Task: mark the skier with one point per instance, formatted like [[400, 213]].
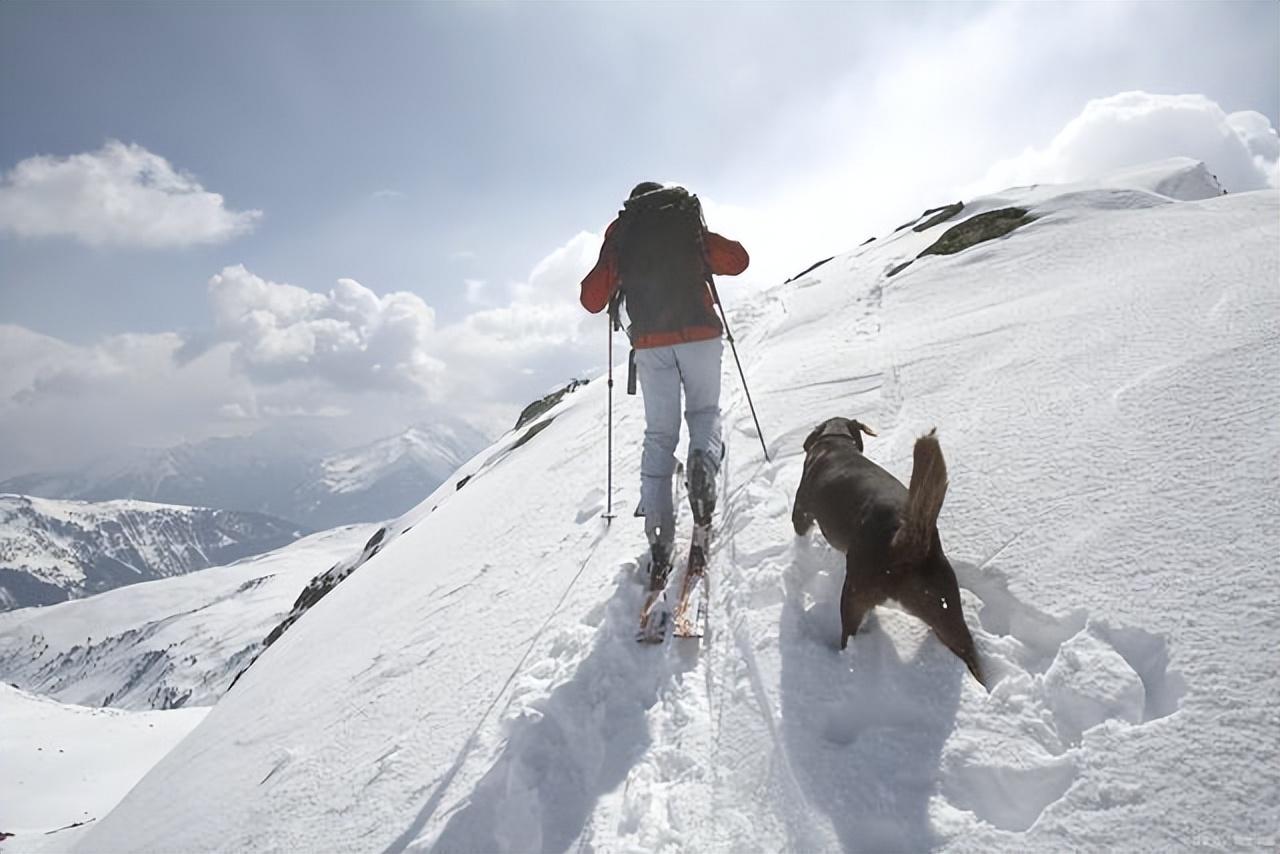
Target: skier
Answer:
[[658, 255]]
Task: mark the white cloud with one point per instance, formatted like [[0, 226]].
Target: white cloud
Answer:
[[1260, 138], [61, 404], [64, 405], [504, 354], [1131, 128], [119, 195], [555, 278], [389, 194], [350, 338], [542, 313]]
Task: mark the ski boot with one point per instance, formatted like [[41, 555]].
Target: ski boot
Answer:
[[659, 565], [656, 615], [702, 488]]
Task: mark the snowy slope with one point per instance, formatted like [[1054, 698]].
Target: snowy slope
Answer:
[[1103, 384], [67, 765], [162, 644], [51, 551]]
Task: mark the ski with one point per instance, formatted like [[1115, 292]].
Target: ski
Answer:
[[690, 614], [655, 616]]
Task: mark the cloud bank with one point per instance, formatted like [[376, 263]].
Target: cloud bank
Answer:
[[119, 195], [1130, 128], [350, 338], [365, 363]]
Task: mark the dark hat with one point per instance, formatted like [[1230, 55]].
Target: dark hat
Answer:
[[644, 187]]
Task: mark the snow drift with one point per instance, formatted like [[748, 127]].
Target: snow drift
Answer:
[[1102, 379]]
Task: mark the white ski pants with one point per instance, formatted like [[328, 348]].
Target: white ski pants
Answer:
[[662, 372]]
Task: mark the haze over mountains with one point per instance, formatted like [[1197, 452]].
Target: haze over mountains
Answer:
[[295, 475]]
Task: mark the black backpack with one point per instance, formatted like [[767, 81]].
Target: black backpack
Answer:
[[662, 267]]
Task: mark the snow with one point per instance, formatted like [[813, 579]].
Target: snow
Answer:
[[66, 765], [174, 641], [1103, 383]]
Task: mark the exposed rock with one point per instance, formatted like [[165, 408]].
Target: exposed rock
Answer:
[[898, 269], [942, 214], [531, 432], [978, 229], [809, 269], [538, 407]]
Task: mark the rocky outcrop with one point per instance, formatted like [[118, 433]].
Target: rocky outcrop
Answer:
[[542, 405], [974, 230]]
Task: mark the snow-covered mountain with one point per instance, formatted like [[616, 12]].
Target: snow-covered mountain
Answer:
[[383, 479], [290, 474], [168, 643], [254, 473], [1102, 376], [51, 551]]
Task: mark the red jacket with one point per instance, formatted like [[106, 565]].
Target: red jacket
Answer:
[[725, 257]]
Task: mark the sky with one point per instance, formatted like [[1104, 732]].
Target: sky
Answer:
[[219, 217]]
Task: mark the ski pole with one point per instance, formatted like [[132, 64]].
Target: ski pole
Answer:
[[608, 505], [728, 333]]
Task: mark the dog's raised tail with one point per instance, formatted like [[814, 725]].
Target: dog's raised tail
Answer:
[[924, 500]]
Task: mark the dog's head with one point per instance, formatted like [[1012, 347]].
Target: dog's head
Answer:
[[846, 428]]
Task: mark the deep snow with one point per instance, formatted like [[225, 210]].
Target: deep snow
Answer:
[[1103, 381], [67, 766]]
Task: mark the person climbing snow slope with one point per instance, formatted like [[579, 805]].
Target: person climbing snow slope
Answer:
[[658, 257]]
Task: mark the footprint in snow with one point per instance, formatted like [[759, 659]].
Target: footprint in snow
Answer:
[[878, 707], [1054, 678]]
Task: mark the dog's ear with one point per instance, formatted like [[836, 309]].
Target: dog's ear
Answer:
[[856, 429], [813, 436]]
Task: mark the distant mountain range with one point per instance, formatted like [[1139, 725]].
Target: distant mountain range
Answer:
[[290, 476], [52, 551]]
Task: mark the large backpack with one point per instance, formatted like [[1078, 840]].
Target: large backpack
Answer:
[[662, 267]]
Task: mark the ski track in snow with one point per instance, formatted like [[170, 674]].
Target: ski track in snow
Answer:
[[1081, 576]]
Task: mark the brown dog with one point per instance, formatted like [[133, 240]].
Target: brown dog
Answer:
[[888, 533]]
